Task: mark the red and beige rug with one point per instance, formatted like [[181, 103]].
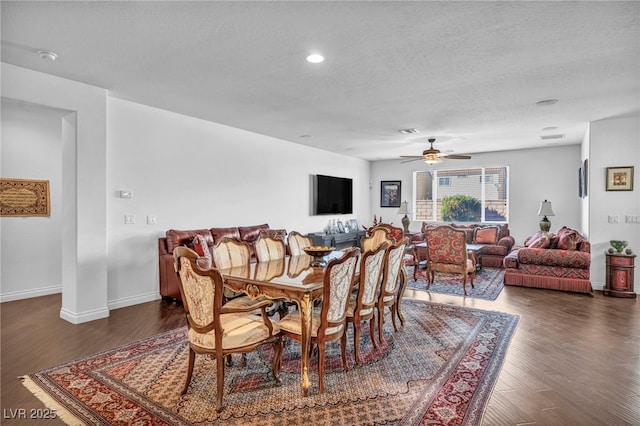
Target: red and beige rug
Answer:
[[440, 368], [488, 283]]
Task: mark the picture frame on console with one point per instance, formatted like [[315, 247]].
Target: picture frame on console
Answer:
[[620, 178], [390, 193]]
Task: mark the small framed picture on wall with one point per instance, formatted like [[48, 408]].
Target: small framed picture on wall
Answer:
[[620, 178], [390, 192]]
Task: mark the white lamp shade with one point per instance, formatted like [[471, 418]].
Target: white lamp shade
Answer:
[[404, 208], [545, 209]]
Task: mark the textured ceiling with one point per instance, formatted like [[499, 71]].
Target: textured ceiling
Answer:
[[467, 73]]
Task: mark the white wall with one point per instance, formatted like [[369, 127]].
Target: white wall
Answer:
[[83, 139], [31, 149], [613, 142], [192, 174], [535, 175]]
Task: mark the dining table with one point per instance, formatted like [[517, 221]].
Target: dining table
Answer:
[[292, 278], [296, 279]]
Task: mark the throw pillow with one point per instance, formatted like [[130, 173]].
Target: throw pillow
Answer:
[[568, 240], [541, 242], [201, 247], [488, 235]]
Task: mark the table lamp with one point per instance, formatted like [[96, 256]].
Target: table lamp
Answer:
[[404, 209], [545, 210]]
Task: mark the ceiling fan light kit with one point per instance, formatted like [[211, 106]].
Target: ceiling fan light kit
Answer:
[[433, 156]]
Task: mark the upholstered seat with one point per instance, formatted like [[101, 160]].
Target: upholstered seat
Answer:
[[392, 282]]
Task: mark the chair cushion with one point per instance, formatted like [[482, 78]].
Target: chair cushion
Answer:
[[292, 324], [239, 330]]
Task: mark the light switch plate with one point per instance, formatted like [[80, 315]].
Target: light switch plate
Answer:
[[152, 220], [129, 219], [614, 219]]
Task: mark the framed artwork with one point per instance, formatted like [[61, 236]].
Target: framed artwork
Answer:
[[585, 177], [620, 178], [580, 183], [390, 193], [24, 197]]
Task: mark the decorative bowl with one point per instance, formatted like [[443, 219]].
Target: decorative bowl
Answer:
[[618, 245], [318, 252]]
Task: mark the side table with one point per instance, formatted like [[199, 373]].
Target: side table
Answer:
[[620, 275]]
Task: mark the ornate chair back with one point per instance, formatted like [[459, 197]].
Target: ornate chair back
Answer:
[[267, 248], [362, 307], [391, 282], [230, 253], [297, 242]]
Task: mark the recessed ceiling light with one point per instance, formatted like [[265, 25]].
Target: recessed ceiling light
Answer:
[[547, 102], [546, 129], [315, 58], [304, 136], [551, 137], [409, 131], [47, 55]]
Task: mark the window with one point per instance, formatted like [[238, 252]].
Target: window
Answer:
[[475, 195]]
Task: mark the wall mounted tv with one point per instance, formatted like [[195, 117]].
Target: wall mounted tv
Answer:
[[332, 195]]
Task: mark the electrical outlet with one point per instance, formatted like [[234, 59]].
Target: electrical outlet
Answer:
[[129, 219], [152, 220], [632, 218], [614, 219]]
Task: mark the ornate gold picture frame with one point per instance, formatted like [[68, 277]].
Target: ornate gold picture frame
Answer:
[[24, 197]]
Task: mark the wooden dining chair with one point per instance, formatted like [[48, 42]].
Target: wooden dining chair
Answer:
[[229, 253], [392, 281], [328, 321], [297, 242], [363, 304], [447, 252], [216, 329], [374, 238]]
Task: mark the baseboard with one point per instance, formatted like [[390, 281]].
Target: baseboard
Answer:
[[135, 300], [27, 294], [79, 318]]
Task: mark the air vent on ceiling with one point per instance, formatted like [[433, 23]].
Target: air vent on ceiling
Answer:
[[409, 131], [551, 137]]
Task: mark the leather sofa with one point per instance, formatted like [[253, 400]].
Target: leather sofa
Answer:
[[495, 240], [558, 262], [169, 288]]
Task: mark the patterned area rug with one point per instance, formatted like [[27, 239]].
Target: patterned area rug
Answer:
[[439, 368], [488, 283]]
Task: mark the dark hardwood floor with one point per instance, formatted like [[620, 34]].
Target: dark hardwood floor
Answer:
[[573, 360]]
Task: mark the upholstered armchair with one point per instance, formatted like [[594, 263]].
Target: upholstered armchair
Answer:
[[447, 252], [217, 330]]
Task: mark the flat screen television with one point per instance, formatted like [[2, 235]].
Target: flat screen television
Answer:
[[332, 195]]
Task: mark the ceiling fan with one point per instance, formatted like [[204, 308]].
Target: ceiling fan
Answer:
[[433, 156]]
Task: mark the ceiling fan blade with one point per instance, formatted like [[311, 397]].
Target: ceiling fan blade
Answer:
[[412, 158], [456, 157]]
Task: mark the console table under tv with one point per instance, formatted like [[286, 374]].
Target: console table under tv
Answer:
[[339, 241]]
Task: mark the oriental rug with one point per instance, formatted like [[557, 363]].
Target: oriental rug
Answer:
[[439, 368], [488, 283]]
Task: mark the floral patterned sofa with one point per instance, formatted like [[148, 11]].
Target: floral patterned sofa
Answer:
[[557, 262]]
